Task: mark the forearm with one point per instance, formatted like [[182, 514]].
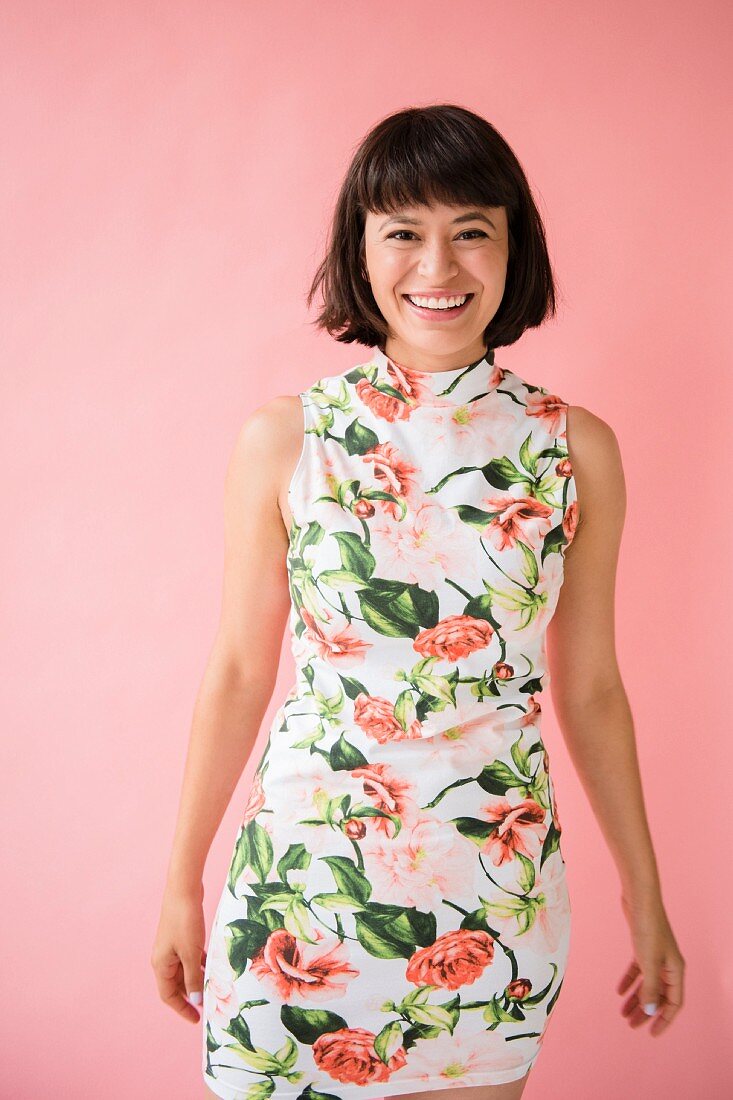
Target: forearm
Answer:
[[227, 717], [602, 744]]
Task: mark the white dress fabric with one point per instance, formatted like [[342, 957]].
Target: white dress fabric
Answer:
[[396, 916]]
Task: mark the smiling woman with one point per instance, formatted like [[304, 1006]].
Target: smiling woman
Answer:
[[396, 916], [461, 220]]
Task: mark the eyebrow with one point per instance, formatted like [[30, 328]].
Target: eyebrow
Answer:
[[473, 215]]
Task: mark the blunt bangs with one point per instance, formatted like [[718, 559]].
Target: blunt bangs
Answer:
[[423, 156]]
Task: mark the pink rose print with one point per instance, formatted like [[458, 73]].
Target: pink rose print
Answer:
[[342, 647], [378, 720], [547, 407], [383, 405], [424, 546], [389, 792], [421, 865], [256, 800], [570, 521], [292, 969], [521, 827], [454, 637], [454, 960], [348, 1055], [463, 1059], [392, 473], [221, 1002], [518, 519]]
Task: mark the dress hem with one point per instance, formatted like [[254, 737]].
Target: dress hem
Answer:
[[384, 1088]]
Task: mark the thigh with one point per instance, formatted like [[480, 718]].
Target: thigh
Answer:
[[512, 1090]]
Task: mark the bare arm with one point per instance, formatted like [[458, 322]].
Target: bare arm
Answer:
[[237, 683], [242, 668], [592, 706]]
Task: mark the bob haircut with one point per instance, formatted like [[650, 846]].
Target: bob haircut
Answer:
[[420, 156]]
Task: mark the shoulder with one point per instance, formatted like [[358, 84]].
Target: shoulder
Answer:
[[269, 435], [595, 457]]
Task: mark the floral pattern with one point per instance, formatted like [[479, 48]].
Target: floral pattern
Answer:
[[396, 915]]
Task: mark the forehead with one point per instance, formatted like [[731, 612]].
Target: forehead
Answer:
[[440, 213]]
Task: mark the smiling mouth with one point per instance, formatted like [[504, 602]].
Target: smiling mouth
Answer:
[[435, 308]]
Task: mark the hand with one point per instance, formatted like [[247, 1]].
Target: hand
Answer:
[[178, 952], [658, 960]]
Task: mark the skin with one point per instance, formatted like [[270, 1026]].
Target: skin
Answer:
[[587, 690]]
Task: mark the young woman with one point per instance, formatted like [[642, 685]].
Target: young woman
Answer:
[[396, 917]]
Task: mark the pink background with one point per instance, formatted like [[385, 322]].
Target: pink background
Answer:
[[169, 173]]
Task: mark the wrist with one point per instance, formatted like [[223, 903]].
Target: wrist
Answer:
[[185, 886], [641, 895]]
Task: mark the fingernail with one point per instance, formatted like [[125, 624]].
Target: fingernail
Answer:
[[195, 998], [650, 1008]]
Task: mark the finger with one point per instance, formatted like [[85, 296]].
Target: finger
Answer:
[[632, 972], [171, 986], [193, 976], [672, 997], [631, 1009], [650, 989]]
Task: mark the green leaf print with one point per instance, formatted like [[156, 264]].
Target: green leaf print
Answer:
[[261, 853], [260, 1090], [497, 778], [551, 843], [352, 687], [240, 860], [356, 558], [297, 857], [528, 457], [336, 902], [495, 1014], [531, 570], [307, 1024], [554, 541], [474, 829], [398, 610], [502, 474], [538, 998], [341, 578], [310, 1094], [388, 1040], [520, 757], [238, 1028], [248, 937], [480, 608], [287, 1055], [391, 932], [257, 1058], [211, 1043], [436, 1016], [344, 756], [358, 439], [297, 920], [474, 517], [526, 876], [349, 879]]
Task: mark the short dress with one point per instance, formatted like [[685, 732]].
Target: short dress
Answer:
[[396, 916]]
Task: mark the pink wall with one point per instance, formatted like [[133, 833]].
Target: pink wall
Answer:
[[168, 175]]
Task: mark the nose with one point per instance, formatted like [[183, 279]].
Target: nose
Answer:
[[437, 265]]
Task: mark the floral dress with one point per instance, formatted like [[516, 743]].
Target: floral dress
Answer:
[[396, 916]]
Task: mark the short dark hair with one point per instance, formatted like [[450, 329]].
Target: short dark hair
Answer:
[[418, 156]]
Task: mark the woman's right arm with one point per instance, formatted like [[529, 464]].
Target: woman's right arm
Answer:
[[237, 684]]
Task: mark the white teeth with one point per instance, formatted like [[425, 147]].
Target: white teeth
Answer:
[[438, 303]]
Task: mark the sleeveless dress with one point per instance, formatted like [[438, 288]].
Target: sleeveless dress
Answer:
[[396, 916]]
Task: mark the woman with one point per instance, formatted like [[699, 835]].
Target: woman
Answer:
[[396, 918]]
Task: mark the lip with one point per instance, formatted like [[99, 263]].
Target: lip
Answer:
[[438, 293], [437, 315]]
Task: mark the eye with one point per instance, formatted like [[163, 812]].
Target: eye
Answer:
[[411, 234]]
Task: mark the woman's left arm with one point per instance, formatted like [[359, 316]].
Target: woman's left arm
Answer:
[[595, 718]]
